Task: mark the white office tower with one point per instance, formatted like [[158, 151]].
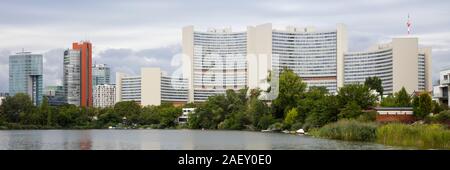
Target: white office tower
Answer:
[[219, 59], [104, 95], [315, 55], [400, 63], [216, 61]]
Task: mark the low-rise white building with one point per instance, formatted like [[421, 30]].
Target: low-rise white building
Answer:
[[151, 87], [440, 91], [185, 115], [104, 95]]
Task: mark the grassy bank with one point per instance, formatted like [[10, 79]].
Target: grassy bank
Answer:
[[422, 136], [425, 136], [351, 130]]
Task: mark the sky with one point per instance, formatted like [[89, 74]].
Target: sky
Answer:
[[128, 35]]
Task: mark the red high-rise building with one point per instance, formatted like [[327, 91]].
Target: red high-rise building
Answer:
[[85, 49]]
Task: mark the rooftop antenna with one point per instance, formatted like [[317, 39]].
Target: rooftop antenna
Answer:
[[408, 24]]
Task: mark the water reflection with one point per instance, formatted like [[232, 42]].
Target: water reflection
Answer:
[[85, 140], [166, 139]]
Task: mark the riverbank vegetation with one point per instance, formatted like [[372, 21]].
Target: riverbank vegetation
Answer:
[[427, 136], [18, 112], [351, 130]]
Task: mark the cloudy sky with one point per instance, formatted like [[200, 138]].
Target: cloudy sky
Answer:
[[131, 34]]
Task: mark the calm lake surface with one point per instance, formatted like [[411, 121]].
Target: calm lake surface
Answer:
[[166, 140]]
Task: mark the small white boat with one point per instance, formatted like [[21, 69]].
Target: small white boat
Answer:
[[267, 130], [285, 131]]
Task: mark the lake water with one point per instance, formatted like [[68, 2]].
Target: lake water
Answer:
[[167, 139]]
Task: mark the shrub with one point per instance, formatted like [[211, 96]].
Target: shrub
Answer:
[[422, 136], [347, 130], [265, 121], [368, 116], [276, 126], [443, 117]]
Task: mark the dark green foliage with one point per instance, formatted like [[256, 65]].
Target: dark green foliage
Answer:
[[368, 116], [348, 130], [422, 105], [234, 110], [374, 83], [13, 106], [436, 107], [443, 117], [357, 93], [351, 111], [291, 89], [402, 98], [18, 112], [389, 101]]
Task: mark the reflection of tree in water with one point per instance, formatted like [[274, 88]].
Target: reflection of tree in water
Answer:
[[85, 141]]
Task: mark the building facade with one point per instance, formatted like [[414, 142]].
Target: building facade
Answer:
[[440, 91], [152, 87], [319, 57], [314, 55], [104, 95], [398, 64], [217, 61], [26, 75], [101, 74], [78, 74], [220, 59], [72, 77], [55, 95], [128, 88]]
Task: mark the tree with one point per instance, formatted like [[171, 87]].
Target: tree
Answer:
[[127, 109], [374, 83], [291, 117], [13, 106], [402, 98], [291, 89], [108, 118], [256, 108], [168, 114], [311, 101], [357, 93], [67, 115], [352, 110], [325, 110], [265, 121], [209, 113], [423, 105], [46, 112], [437, 108], [389, 101]]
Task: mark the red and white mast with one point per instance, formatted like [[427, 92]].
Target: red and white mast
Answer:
[[408, 24]]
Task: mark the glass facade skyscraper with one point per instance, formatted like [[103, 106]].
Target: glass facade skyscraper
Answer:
[[100, 74], [25, 75], [71, 81], [78, 74]]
